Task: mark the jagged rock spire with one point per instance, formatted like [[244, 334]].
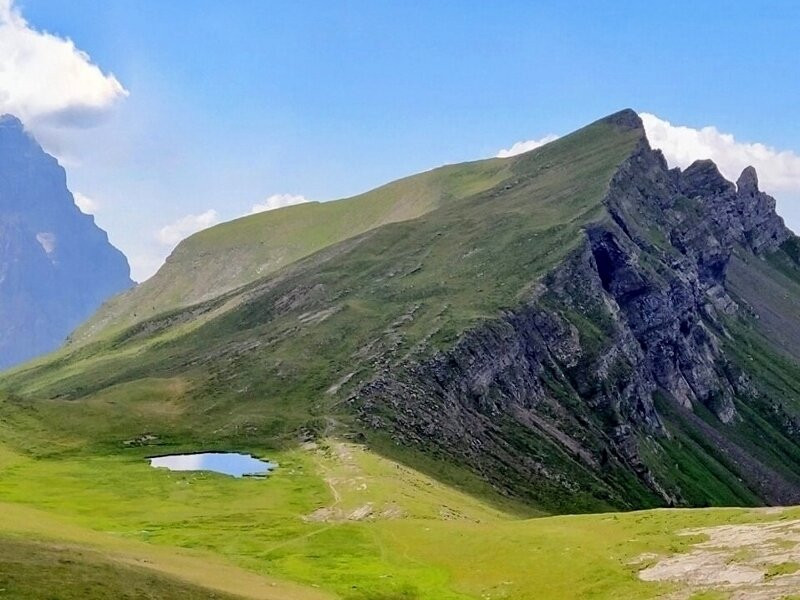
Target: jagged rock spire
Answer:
[[747, 184]]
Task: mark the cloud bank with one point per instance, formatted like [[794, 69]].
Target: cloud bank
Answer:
[[778, 170], [526, 146], [277, 201], [171, 234], [46, 81], [87, 205]]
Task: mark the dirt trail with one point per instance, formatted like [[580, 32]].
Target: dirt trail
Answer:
[[743, 562], [343, 476]]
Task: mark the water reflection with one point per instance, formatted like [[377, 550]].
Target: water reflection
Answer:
[[227, 463]]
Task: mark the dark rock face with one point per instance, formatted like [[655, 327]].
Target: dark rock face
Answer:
[[56, 265], [740, 213], [559, 396]]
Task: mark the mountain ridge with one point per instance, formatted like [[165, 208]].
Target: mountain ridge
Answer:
[[565, 335], [674, 352], [226, 256]]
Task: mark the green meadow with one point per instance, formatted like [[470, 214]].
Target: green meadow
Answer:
[[333, 521]]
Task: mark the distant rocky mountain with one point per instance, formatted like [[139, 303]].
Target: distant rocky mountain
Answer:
[[56, 265]]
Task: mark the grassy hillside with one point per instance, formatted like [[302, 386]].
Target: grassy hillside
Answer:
[[273, 363], [268, 367], [233, 254], [34, 570], [265, 359]]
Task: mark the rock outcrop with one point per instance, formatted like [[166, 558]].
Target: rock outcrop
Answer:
[[56, 265], [563, 393]]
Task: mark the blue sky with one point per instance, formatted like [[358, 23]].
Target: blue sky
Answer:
[[230, 103]]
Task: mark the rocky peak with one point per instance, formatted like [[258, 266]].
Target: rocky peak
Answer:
[[626, 118], [738, 214], [12, 132], [8, 121]]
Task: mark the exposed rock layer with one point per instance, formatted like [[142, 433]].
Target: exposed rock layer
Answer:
[[562, 393]]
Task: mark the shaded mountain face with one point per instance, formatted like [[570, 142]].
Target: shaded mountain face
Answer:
[[56, 265], [580, 327]]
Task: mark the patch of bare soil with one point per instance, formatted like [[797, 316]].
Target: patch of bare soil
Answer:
[[349, 487], [744, 562]]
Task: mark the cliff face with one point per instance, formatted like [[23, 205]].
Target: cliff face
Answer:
[[616, 364], [56, 265]]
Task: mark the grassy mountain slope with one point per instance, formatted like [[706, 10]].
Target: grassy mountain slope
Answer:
[[771, 287], [455, 267], [485, 308], [233, 254], [278, 356], [578, 335]]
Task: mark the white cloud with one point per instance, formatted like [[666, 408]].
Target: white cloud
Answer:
[[171, 234], [526, 146], [46, 81], [778, 170], [145, 264], [86, 204], [277, 201]]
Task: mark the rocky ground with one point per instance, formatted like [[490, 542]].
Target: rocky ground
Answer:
[[753, 562]]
